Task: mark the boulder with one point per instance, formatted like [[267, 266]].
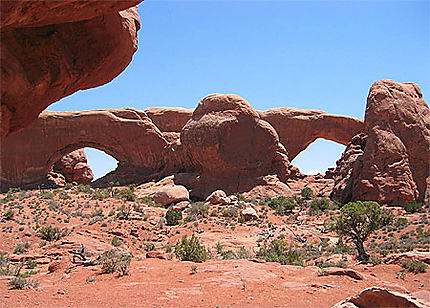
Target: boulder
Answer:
[[230, 145], [379, 297], [74, 167], [51, 49], [170, 194], [218, 197], [249, 214], [391, 163], [345, 272]]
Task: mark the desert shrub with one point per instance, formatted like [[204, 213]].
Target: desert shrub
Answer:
[[307, 193], [116, 241], [240, 197], [4, 264], [125, 194], [86, 189], [415, 267], [8, 215], [21, 248], [123, 212], [115, 260], [63, 195], [319, 205], [49, 233], [190, 250], [173, 217], [413, 207], [282, 205], [30, 263], [100, 194], [19, 283], [230, 212], [97, 212], [279, 251], [197, 210], [46, 194], [147, 200], [357, 220]]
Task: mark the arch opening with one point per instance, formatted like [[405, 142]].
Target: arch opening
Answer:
[[100, 162], [79, 164], [318, 156]]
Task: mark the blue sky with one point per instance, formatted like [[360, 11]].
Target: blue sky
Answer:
[[306, 54]]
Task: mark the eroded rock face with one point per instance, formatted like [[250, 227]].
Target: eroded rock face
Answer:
[[392, 163], [169, 119], [74, 167], [231, 145], [51, 49], [298, 128], [380, 297], [127, 134]]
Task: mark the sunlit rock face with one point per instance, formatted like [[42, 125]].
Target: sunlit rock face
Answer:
[[50, 49], [390, 163]]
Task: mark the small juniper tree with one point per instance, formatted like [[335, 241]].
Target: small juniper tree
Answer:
[[357, 220]]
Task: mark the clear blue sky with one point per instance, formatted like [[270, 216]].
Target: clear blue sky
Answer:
[[306, 54]]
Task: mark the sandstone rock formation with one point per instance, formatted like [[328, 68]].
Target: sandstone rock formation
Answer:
[[169, 119], [74, 167], [391, 164], [128, 135], [225, 145], [380, 297], [231, 145], [298, 128], [51, 49], [170, 194]]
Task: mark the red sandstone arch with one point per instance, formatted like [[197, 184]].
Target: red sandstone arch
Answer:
[[127, 134], [298, 128]]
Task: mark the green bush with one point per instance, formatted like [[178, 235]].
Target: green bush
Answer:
[[282, 205], [19, 283], [307, 193], [415, 267], [357, 220], [51, 234], [115, 260], [116, 241], [125, 194], [190, 250], [21, 248], [230, 212], [8, 215], [46, 195], [279, 251], [413, 207], [197, 210], [319, 205], [173, 217]]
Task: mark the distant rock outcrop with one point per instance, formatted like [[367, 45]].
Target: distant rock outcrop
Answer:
[[391, 162], [222, 144], [231, 146], [127, 134], [50, 49], [74, 167]]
